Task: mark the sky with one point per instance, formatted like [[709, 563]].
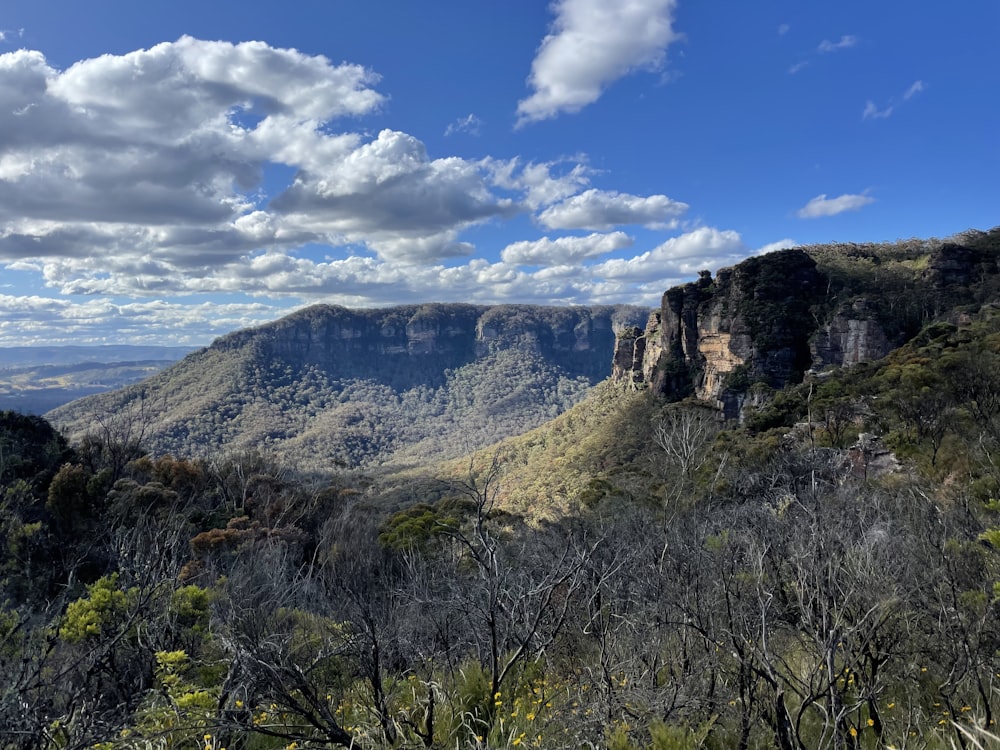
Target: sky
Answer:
[[172, 171]]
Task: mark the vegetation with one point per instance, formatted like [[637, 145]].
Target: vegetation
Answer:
[[329, 387], [700, 585], [633, 574]]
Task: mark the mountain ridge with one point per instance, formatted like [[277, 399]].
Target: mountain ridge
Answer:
[[330, 386]]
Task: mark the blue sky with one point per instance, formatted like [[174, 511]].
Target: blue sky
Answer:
[[172, 171]]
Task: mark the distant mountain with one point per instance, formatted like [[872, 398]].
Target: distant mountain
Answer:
[[36, 379], [15, 357], [328, 386]]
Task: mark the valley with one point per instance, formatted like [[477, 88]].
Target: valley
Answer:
[[762, 515]]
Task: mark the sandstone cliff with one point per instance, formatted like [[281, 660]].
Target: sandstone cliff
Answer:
[[772, 318]]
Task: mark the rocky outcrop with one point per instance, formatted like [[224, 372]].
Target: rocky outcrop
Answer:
[[853, 335], [630, 350], [717, 335], [773, 318]]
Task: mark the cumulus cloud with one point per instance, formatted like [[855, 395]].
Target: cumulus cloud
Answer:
[[823, 206], [591, 44], [705, 247], [602, 210], [144, 175], [169, 143], [162, 152], [548, 271], [391, 195], [845, 42], [564, 251], [541, 184]]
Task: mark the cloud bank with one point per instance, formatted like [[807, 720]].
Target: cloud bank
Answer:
[[197, 168]]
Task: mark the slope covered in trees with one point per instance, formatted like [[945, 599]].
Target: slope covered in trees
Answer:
[[328, 387]]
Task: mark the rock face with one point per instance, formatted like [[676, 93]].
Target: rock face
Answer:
[[772, 318], [409, 342], [630, 349], [715, 336], [852, 336]]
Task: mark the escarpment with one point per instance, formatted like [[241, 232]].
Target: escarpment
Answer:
[[769, 320], [330, 386]]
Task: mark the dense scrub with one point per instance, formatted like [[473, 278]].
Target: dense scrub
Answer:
[[697, 584], [633, 574]]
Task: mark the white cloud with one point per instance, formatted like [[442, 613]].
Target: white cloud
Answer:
[[469, 124], [542, 184], [34, 320], [914, 89], [602, 210], [823, 206], [161, 152], [142, 175], [784, 29], [770, 247], [563, 251], [845, 42], [591, 44], [792, 70], [389, 194], [685, 255], [873, 112], [561, 275], [154, 150]]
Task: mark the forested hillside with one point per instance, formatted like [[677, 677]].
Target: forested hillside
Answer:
[[823, 572], [781, 584], [329, 387]]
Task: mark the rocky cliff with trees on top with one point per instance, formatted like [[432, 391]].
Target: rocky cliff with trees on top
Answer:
[[765, 322]]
